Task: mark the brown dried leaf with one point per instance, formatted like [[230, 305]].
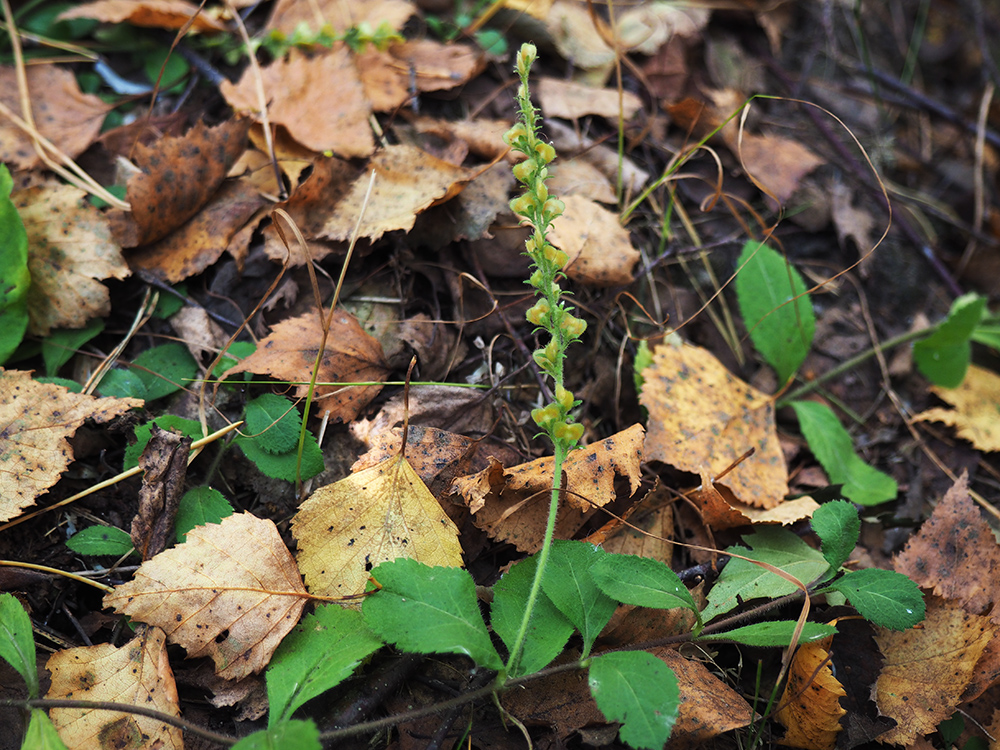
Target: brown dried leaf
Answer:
[[341, 16], [351, 356], [156, 14], [391, 77], [975, 415], [810, 706], [232, 591], [407, 181], [577, 176], [164, 465], [956, 555], [318, 98], [927, 669], [379, 514], [571, 100], [700, 415], [68, 118], [599, 248], [720, 509], [178, 177], [36, 422], [137, 673], [70, 249]]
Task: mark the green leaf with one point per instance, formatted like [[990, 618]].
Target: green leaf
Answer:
[[288, 735], [14, 276], [741, 580], [156, 373], [283, 466], [883, 597], [639, 691], [101, 540], [987, 333], [236, 353], [772, 634], [943, 357], [831, 444], [41, 734], [17, 644], [168, 304], [273, 422], [781, 331], [569, 583], [120, 383], [61, 345], [187, 427], [429, 610], [199, 506], [322, 651], [548, 629], [837, 525], [641, 581]]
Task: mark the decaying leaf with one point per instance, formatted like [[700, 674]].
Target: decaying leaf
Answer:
[[378, 514], [720, 509], [164, 465], [232, 591], [975, 415], [810, 706], [137, 673], [36, 422], [157, 14], [70, 249], [700, 415], [351, 356], [569, 100], [288, 14], [599, 248]]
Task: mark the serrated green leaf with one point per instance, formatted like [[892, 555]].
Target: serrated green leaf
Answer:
[[288, 735], [548, 630], [772, 634], [14, 276], [883, 597], [101, 540], [742, 581], [62, 344], [641, 581], [283, 466], [187, 427], [639, 691], [781, 330], [943, 357], [273, 423], [17, 644], [569, 584], [831, 444], [429, 611], [322, 651], [837, 525], [199, 506], [41, 734]]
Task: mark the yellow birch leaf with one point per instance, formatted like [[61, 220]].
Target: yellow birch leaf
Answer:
[[975, 416], [231, 592], [137, 673], [379, 514], [810, 707]]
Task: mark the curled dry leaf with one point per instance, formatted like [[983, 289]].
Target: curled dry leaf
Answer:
[[378, 514], [70, 249], [232, 591], [701, 415], [570, 100], [156, 14], [137, 673], [975, 415], [720, 509], [341, 16], [599, 248], [351, 356], [810, 706], [36, 422], [67, 117]]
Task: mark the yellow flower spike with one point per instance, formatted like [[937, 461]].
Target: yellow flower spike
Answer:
[[564, 398]]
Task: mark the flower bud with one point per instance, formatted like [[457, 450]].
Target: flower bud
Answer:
[[537, 278], [552, 208], [523, 205], [573, 326], [555, 256], [539, 313], [546, 416], [515, 134], [564, 398], [569, 432], [525, 57], [524, 171], [546, 152]]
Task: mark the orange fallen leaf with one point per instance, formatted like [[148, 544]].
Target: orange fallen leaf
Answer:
[[177, 177], [351, 356], [318, 98], [927, 669], [407, 181], [810, 706], [137, 673], [975, 415], [720, 509], [67, 117], [232, 592], [70, 249], [599, 248], [700, 415], [36, 422], [375, 515], [156, 14]]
